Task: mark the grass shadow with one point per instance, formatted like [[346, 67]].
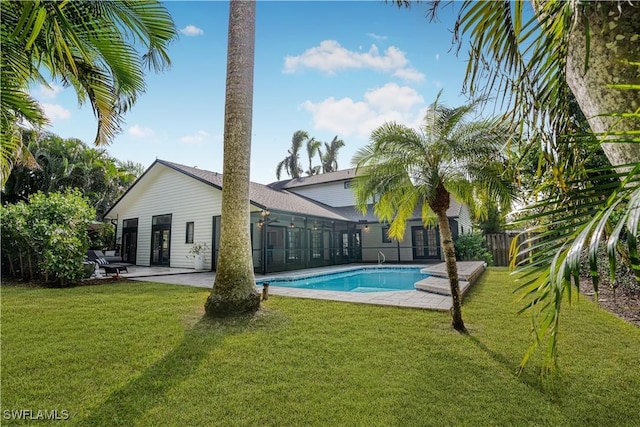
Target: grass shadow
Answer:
[[547, 383], [131, 402], [497, 357]]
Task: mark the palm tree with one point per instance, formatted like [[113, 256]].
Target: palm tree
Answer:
[[291, 163], [89, 45], [69, 163], [330, 157], [313, 148], [234, 291], [566, 49], [402, 169], [534, 66]]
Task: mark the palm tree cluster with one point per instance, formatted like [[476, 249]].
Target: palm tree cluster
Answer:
[[69, 163], [328, 158], [87, 45]]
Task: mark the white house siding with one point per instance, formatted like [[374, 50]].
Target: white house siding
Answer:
[[166, 191], [464, 221], [332, 193]]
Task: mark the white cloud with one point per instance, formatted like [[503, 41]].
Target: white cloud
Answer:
[[437, 57], [197, 138], [330, 57], [393, 97], [409, 74], [377, 36], [347, 117], [140, 132], [48, 92], [192, 31], [56, 112]]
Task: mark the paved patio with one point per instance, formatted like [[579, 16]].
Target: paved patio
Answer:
[[411, 298]]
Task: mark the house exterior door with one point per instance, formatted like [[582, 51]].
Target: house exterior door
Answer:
[[351, 248], [425, 242], [129, 240], [161, 240]]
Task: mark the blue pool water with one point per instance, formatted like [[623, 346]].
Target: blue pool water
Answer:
[[362, 280]]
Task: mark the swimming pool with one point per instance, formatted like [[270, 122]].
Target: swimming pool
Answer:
[[360, 280]]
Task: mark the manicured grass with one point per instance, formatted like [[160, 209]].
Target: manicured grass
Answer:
[[141, 354]]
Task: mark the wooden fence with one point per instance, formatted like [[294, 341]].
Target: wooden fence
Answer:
[[499, 246]]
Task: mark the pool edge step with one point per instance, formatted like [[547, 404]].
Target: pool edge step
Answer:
[[438, 281], [439, 285]]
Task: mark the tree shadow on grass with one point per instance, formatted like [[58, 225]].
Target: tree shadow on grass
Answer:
[[130, 403], [546, 382]]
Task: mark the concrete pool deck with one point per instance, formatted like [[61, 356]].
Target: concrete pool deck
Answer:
[[410, 299]]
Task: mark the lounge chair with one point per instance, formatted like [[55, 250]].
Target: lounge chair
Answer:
[[108, 263]]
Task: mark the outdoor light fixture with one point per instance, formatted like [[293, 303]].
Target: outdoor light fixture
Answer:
[[366, 228], [266, 218], [292, 225]]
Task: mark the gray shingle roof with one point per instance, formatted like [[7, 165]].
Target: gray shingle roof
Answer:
[[275, 197], [349, 211], [316, 179], [263, 196]]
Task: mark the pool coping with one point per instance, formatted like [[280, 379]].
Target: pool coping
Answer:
[[407, 299]]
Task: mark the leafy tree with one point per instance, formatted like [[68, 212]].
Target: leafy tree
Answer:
[[492, 221], [234, 290], [330, 157], [402, 169], [47, 237], [291, 163], [89, 45]]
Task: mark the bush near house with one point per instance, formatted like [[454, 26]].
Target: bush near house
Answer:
[[46, 238], [473, 247]]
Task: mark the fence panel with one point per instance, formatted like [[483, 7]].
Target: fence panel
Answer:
[[499, 245]]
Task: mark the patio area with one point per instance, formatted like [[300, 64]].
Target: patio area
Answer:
[[468, 271]]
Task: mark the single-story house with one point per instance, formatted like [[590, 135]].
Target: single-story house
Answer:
[[298, 223]]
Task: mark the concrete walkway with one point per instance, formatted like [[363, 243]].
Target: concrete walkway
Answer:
[[410, 298]]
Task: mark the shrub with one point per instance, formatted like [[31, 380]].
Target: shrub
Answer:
[[473, 246], [624, 277], [46, 238]]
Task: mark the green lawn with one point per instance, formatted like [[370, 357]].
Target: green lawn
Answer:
[[140, 354]]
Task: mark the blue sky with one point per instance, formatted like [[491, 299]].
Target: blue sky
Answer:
[[330, 68]]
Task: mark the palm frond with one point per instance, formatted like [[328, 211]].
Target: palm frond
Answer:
[[552, 252]]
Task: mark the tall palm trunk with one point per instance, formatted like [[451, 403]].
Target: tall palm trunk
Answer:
[[611, 25], [234, 289], [440, 206]]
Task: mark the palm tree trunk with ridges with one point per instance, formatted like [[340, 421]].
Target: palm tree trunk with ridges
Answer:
[[449, 252], [612, 26], [234, 290]]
